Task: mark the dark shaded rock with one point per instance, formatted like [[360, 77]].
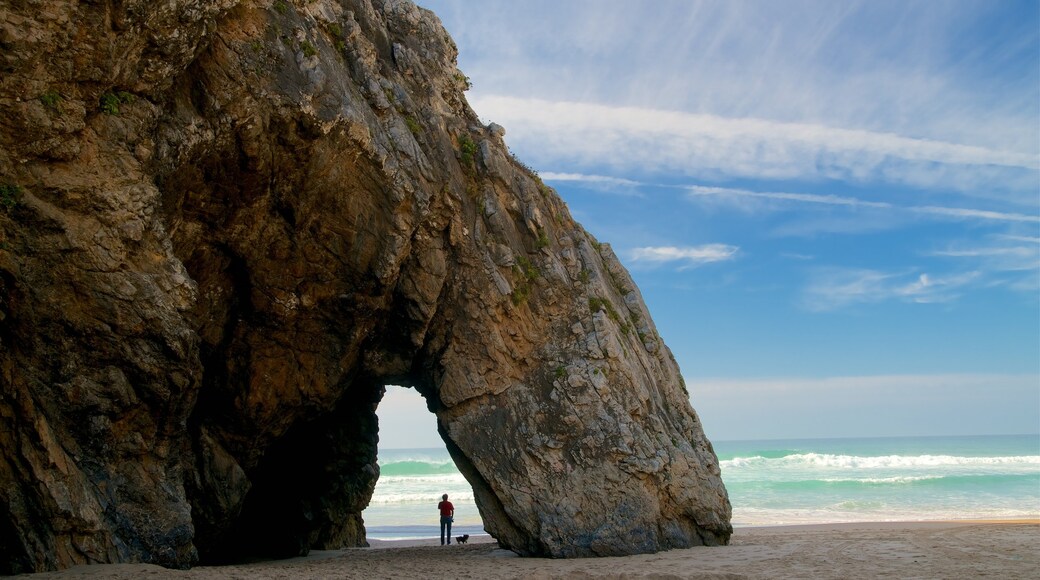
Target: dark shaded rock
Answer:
[[234, 223]]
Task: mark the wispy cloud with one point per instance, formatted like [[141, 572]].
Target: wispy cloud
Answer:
[[834, 288], [703, 145], [702, 191], [698, 191], [689, 255], [960, 212], [989, 252], [601, 183], [1016, 267], [744, 198], [831, 63], [976, 265], [581, 177], [1027, 239]]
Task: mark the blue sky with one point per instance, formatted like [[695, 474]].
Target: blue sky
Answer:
[[832, 209]]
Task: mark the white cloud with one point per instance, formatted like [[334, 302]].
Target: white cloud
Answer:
[[698, 191], [550, 176], [995, 258], [900, 67], [711, 146], [1011, 267], [988, 252], [1027, 239], [976, 213], [691, 255], [603, 183], [701, 191], [834, 288], [927, 289]]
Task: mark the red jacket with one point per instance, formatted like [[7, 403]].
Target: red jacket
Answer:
[[447, 510]]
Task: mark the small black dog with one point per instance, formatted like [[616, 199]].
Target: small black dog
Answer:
[[462, 539]]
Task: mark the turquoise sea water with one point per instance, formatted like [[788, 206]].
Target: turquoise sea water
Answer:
[[776, 482]]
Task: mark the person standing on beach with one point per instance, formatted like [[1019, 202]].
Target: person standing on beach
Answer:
[[447, 516]]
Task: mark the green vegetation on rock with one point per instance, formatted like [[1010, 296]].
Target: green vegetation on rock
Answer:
[[110, 101], [467, 150], [51, 100], [9, 196]]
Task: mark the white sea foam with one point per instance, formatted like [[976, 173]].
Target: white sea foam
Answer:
[[447, 478], [816, 460], [881, 480], [427, 459], [420, 497]]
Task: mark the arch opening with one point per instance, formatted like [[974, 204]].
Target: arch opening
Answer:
[[305, 492], [416, 468]]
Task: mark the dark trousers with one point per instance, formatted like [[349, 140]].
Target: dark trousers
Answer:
[[445, 529]]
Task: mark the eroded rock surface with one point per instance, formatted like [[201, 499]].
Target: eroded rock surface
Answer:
[[224, 226]]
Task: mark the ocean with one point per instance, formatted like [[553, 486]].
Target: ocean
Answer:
[[775, 483]]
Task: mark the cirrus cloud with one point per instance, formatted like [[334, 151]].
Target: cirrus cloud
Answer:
[[712, 146], [835, 288], [690, 255], [700, 191]]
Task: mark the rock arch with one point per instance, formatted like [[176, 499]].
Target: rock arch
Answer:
[[294, 205]]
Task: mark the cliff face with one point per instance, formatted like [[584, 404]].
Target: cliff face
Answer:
[[224, 226]]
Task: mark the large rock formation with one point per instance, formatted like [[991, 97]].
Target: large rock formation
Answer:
[[225, 225]]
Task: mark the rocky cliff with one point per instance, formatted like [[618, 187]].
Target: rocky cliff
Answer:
[[226, 225]]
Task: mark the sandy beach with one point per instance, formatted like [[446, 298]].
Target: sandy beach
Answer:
[[957, 549]]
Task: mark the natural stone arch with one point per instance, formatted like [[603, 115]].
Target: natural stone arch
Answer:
[[206, 291]]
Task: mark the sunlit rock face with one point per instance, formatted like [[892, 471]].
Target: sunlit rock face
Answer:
[[226, 225]]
